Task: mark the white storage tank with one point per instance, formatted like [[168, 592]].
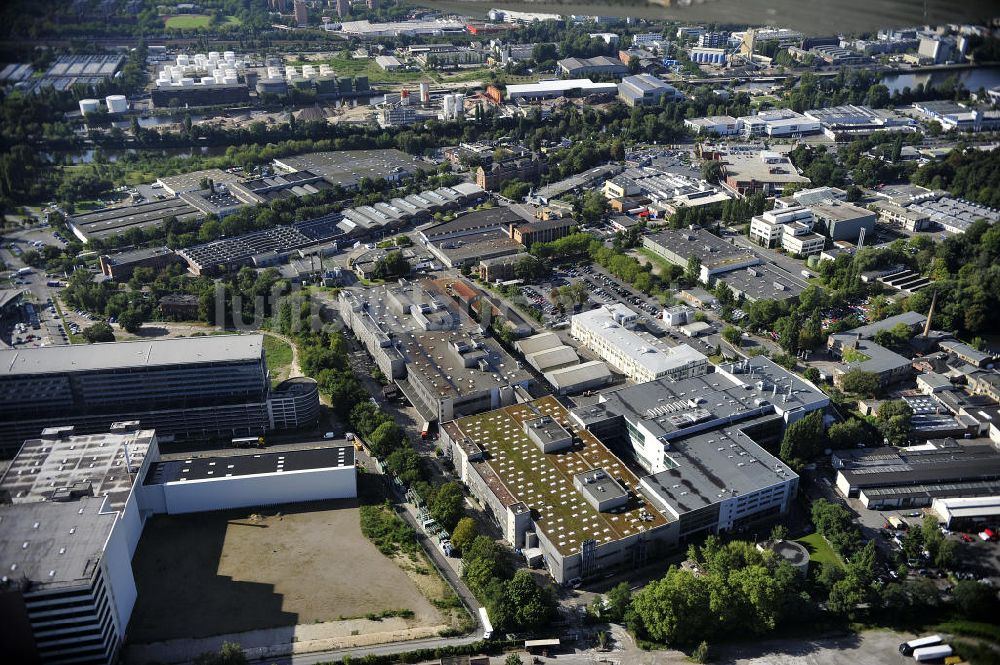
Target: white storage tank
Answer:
[[89, 106], [187, 81], [229, 55], [183, 60], [230, 80], [213, 56], [116, 103]]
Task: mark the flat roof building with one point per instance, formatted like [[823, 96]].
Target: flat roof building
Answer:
[[714, 254], [437, 356], [601, 64], [967, 514], [347, 167], [843, 221], [574, 87], [120, 266], [695, 438], [606, 331], [890, 478], [543, 501], [645, 90], [766, 171], [190, 387], [74, 511], [763, 282]]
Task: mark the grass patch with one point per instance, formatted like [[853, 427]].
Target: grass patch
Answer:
[[387, 530], [986, 631], [388, 614], [279, 358], [661, 264], [188, 21], [820, 551], [976, 653]]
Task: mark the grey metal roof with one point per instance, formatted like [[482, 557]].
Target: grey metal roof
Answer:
[[123, 355]]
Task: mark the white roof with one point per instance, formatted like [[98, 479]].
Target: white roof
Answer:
[[557, 85], [655, 359], [968, 506], [539, 342]]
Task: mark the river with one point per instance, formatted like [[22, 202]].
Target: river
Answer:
[[114, 154], [972, 79]]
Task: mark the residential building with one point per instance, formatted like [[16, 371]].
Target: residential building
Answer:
[[645, 90], [602, 64], [214, 387], [607, 332]]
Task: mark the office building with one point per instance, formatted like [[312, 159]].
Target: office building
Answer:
[[857, 350], [779, 123], [840, 220], [555, 491], [789, 228], [894, 478], [698, 440], [607, 332], [301, 13], [645, 90], [745, 173], [73, 514], [720, 125], [713, 40], [436, 355], [201, 388], [542, 230]]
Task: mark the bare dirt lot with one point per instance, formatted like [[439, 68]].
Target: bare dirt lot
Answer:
[[229, 572]]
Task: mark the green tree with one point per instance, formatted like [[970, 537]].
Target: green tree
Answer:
[[616, 603], [386, 437], [131, 320], [974, 600], [693, 269], [675, 609], [464, 533], [231, 653], [712, 171], [850, 433], [804, 439], [862, 383], [513, 659], [893, 421], [733, 335], [393, 264], [447, 506], [99, 332]]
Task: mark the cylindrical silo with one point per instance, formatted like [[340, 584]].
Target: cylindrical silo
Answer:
[[116, 103], [89, 106], [361, 83], [344, 85], [425, 93]]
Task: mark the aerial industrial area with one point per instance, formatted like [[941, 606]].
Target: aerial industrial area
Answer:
[[428, 332]]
